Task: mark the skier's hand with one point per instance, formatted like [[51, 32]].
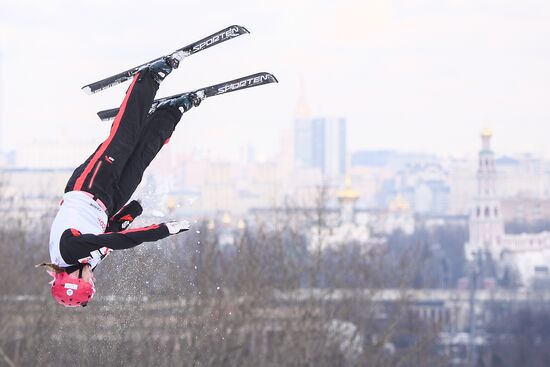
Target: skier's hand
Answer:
[[125, 216], [177, 226]]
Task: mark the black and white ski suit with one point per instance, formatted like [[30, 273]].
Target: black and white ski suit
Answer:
[[107, 179]]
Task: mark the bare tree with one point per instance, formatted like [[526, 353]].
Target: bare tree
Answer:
[[268, 299]]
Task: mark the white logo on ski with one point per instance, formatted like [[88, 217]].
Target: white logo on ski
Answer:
[[243, 83], [217, 38]]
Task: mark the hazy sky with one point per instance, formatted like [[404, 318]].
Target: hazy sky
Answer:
[[422, 75]]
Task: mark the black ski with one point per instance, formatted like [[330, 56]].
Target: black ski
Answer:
[[249, 81], [212, 40]]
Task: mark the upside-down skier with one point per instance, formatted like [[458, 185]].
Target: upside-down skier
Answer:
[[92, 219]]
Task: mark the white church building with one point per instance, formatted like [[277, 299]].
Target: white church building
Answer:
[[525, 256]]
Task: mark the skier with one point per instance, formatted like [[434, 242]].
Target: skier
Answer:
[[82, 235]]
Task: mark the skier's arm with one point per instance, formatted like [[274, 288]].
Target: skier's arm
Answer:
[[75, 246], [129, 238]]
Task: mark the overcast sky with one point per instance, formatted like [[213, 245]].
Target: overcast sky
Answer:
[[423, 75]]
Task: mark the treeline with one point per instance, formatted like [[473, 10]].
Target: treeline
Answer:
[[265, 300]]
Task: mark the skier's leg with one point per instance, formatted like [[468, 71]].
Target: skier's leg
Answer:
[[101, 171], [158, 130]]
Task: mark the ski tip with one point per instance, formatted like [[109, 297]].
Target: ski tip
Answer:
[[107, 115], [242, 29], [105, 119], [87, 90], [272, 77]]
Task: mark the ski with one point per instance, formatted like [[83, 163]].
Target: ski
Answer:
[[207, 42], [248, 81]]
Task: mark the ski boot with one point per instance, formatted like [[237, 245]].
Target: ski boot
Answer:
[[184, 103], [161, 68]]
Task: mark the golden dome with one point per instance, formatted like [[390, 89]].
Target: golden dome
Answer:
[[226, 219], [171, 203], [348, 193], [486, 133], [399, 204]]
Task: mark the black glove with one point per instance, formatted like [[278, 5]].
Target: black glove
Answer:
[[121, 220]]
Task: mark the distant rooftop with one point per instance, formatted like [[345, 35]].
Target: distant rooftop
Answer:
[[505, 160]]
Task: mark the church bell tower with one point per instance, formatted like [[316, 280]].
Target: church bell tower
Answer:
[[486, 224]]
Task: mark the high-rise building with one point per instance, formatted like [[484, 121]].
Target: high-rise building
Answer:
[[319, 143], [303, 148]]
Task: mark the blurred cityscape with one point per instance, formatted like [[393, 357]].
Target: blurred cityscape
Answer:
[[380, 191], [490, 211]]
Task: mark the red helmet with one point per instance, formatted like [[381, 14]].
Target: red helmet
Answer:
[[71, 292]]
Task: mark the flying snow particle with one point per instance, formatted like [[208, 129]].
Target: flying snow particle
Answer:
[[157, 213]]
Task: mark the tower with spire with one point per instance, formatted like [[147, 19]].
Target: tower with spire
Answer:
[[515, 259], [486, 222]]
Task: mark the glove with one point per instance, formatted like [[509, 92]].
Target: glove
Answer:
[[122, 219], [177, 226]]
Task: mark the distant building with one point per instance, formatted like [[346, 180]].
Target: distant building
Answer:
[[319, 143], [525, 258], [369, 182], [399, 217], [347, 199], [462, 185], [525, 210], [51, 154], [426, 186], [390, 159], [343, 228], [374, 158], [421, 179], [218, 190], [486, 224], [31, 193], [522, 175]]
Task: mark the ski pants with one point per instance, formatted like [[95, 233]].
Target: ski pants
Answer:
[[113, 172]]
